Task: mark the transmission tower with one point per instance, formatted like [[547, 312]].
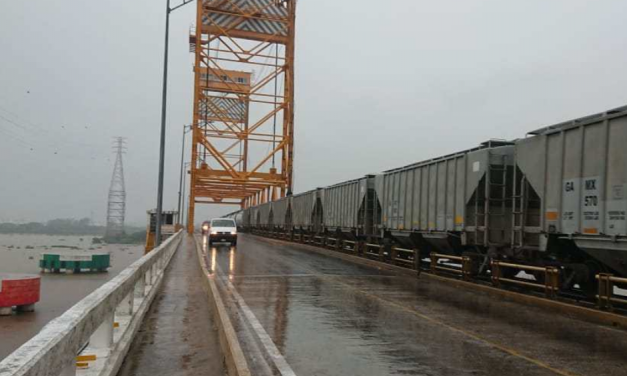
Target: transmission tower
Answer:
[[116, 206]]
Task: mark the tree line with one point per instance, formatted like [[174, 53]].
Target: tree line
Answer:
[[59, 226]]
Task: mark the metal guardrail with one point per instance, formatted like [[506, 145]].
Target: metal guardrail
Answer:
[[410, 260], [551, 277], [375, 250], [465, 261], [354, 246], [606, 297], [106, 320]]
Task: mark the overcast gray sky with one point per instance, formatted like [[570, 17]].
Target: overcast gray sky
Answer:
[[379, 84]]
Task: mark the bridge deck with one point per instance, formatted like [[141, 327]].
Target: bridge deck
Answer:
[[304, 313], [178, 336]]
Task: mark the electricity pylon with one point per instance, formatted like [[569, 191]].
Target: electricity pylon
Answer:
[[116, 207]]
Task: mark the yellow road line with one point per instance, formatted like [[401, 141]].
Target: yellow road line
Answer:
[[474, 336]]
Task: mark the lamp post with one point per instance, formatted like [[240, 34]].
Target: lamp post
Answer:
[[184, 167], [186, 129], [164, 100]]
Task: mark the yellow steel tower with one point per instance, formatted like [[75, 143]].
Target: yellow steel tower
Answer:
[[243, 121]]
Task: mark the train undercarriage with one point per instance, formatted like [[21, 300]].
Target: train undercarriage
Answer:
[[563, 268]]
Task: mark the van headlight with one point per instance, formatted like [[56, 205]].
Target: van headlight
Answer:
[[233, 232], [214, 233]]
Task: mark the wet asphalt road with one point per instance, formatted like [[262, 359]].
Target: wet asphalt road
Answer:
[[178, 336], [328, 316]]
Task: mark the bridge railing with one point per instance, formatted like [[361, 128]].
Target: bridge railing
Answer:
[[95, 334]]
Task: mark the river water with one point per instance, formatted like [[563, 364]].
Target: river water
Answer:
[[59, 292]]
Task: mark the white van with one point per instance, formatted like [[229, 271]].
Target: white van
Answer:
[[222, 230]]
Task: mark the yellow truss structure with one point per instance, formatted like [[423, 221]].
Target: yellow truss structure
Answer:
[[243, 120]]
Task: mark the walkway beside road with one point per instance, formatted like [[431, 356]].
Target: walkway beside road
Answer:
[[178, 335]]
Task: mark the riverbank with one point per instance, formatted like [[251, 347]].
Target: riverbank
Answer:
[[20, 254]]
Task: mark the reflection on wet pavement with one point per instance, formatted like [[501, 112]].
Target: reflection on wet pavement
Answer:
[[330, 317]]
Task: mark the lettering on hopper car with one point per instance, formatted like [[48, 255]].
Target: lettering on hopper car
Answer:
[[569, 215], [590, 203], [570, 206], [618, 192], [591, 215], [591, 185]]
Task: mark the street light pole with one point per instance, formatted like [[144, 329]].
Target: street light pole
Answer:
[[184, 181], [164, 100], [185, 130]]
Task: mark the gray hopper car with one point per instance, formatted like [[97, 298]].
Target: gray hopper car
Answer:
[[556, 198], [347, 207], [570, 189], [456, 200]]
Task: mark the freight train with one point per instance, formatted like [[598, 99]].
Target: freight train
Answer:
[[557, 197]]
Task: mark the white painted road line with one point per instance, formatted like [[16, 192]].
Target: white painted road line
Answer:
[[279, 361]]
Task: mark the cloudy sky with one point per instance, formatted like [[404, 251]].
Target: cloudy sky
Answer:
[[380, 84]]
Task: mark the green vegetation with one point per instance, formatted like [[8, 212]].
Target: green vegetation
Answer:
[[53, 227], [58, 227], [138, 237]]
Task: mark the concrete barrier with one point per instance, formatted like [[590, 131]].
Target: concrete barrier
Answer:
[[99, 328]]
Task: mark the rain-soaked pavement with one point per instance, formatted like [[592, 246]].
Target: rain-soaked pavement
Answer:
[[177, 336], [304, 313]]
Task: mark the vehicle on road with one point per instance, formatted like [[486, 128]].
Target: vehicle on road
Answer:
[[222, 230]]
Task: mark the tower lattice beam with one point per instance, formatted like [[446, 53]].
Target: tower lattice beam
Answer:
[[116, 206], [243, 117]]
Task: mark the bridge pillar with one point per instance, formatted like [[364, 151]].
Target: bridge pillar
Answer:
[[103, 336], [148, 277], [140, 288], [154, 273], [125, 308]]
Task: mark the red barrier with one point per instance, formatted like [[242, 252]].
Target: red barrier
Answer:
[[18, 290]]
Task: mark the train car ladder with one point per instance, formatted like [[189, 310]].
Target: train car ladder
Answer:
[[520, 202], [495, 202]]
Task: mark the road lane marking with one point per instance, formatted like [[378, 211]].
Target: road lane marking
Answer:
[[261, 276], [415, 312], [474, 336], [279, 361]]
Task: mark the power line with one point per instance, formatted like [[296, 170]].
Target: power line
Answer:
[[27, 125]]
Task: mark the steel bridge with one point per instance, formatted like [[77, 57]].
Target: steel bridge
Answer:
[[275, 305]]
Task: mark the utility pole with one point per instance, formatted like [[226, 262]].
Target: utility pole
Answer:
[[164, 102], [116, 207], [186, 128]]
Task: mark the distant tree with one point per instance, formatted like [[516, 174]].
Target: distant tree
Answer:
[[58, 226]]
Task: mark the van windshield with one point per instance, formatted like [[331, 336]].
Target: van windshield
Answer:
[[222, 223]]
